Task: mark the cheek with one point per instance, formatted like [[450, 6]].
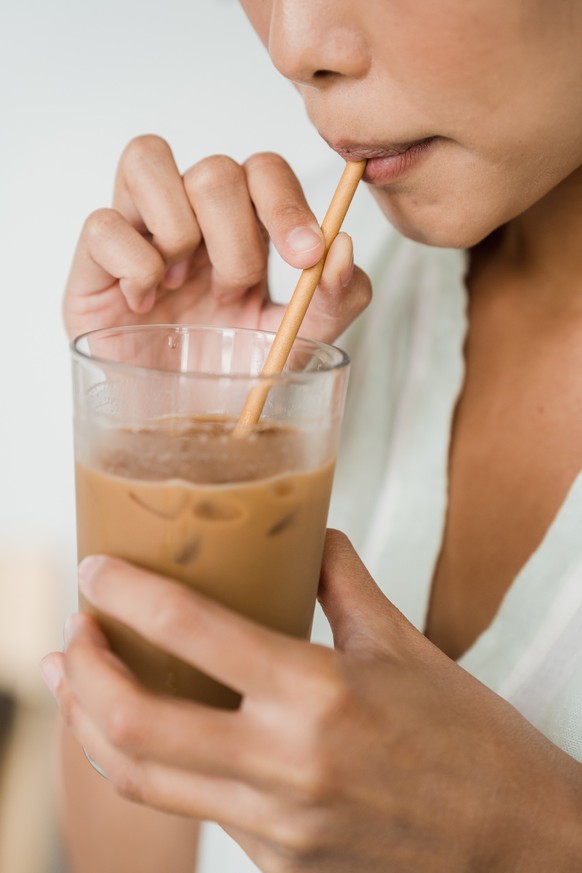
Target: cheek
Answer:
[[434, 36], [459, 61]]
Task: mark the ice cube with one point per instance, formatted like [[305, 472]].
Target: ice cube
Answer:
[[218, 509], [189, 552], [165, 503], [282, 488], [282, 524]]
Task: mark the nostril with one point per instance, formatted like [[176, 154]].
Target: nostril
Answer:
[[322, 74]]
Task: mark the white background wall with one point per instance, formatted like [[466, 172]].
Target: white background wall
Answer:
[[77, 81]]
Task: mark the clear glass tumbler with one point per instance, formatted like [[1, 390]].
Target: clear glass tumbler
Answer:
[[162, 481]]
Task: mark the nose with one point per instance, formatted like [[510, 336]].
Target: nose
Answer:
[[312, 42]]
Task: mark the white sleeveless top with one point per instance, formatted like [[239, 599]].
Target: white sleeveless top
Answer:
[[390, 497]]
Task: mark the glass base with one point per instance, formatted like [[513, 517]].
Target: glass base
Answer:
[[94, 765]]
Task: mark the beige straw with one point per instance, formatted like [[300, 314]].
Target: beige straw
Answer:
[[300, 300]]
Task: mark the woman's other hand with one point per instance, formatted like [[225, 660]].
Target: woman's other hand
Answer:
[[194, 248], [380, 755]]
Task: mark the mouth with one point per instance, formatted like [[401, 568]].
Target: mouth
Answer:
[[386, 164]]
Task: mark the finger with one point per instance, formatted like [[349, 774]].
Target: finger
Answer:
[[52, 671], [342, 294], [362, 618], [145, 781], [228, 647], [283, 210], [217, 190], [171, 731], [249, 746], [52, 665], [76, 719], [189, 794], [81, 625], [112, 256], [150, 194]]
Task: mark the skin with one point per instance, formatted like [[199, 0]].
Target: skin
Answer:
[[194, 266], [163, 254], [275, 773], [483, 78], [498, 84]]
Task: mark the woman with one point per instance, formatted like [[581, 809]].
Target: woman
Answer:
[[385, 754]]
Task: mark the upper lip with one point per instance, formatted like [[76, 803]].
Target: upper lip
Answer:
[[358, 152]]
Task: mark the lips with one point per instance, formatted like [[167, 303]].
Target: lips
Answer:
[[386, 163]]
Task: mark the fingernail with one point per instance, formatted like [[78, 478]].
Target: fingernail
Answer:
[[50, 674], [304, 239], [87, 571], [69, 628], [175, 276]]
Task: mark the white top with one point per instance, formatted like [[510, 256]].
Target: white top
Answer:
[[390, 496]]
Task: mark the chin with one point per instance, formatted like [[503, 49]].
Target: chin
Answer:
[[452, 199], [445, 225]]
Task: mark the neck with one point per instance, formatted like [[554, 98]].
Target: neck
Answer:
[[543, 246]]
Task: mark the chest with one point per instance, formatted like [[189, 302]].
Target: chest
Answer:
[[516, 448]]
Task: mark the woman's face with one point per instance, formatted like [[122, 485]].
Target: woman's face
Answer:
[[469, 111]]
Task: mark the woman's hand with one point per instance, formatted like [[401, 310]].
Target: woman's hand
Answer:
[[194, 248], [380, 756]]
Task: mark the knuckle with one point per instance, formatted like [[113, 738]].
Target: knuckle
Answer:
[[145, 278], [334, 697], [314, 772], [245, 275], [179, 238], [68, 708], [170, 615], [283, 210], [128, 782], [266, 161], [123, 727], [323, 680], [298, 840], [100, 225], [183, 240], [254, 276], [143, 150], [314, 779], [213, 175], [288, 214], [317, 774]]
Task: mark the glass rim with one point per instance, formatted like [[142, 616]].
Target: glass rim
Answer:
[[343, 359]]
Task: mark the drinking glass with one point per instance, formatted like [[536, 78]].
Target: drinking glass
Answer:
[[162, 480]]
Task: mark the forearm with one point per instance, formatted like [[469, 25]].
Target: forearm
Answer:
[[101, 831], [542, 831]]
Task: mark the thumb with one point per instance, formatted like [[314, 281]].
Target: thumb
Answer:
[[342, 294], [362, 618]]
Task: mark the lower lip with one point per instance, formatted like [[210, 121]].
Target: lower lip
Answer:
[[382, 171]]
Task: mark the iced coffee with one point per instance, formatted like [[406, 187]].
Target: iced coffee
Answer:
[[241, 520]]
